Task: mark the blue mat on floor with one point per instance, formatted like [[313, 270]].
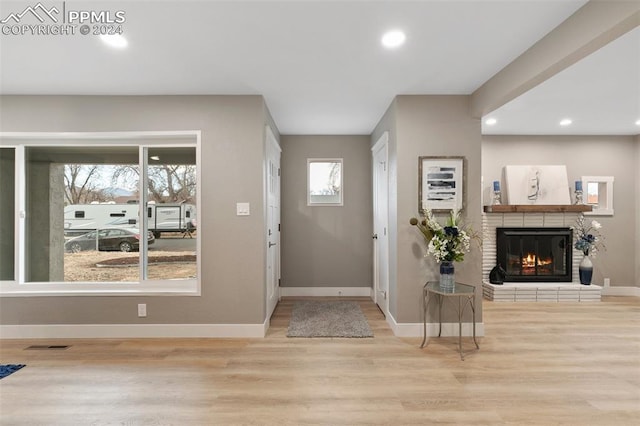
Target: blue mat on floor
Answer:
[[6, 369]]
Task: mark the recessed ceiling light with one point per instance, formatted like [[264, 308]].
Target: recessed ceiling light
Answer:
[[637, 122], [393, 39], [565, 122], [490, 121], [114, 40], [155, 157]]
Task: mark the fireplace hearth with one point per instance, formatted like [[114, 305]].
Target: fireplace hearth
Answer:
[[535, 254]]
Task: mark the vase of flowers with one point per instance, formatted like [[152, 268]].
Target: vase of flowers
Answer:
[[588, 241], [447, 244]]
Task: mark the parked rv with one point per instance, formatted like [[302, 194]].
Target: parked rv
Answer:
[[165, 217]]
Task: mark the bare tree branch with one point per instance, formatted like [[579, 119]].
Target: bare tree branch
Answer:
[[81, 184], [167, 183]]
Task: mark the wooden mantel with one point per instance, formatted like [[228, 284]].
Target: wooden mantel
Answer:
[[538, 208]]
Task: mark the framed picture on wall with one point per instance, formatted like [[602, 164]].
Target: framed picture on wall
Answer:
[[441, 183]]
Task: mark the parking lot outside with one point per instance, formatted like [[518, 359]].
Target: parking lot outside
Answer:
[[87, 266]]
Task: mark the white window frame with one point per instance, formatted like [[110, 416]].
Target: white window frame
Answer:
[[143, 139], [605, 195], [312, 203]]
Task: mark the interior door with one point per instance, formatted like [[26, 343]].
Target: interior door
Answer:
[[381, 223], [272, 180]]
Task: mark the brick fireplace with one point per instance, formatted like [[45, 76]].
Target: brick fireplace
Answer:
[[536, 285]]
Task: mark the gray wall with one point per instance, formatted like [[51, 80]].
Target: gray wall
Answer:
[[615, 156], [428, 126], [233, 247], [326, 246]]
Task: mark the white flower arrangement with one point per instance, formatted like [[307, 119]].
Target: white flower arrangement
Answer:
[[447, 243], [588, 237]]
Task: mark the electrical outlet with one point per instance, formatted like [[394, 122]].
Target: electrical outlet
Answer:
[[142, 310], [607, 282]]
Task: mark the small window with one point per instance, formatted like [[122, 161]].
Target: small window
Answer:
[[79, 214], [599, 194], [592, 193], [324, 182], [188, 214]]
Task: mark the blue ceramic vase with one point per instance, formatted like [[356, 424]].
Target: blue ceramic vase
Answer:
[[585, 270]]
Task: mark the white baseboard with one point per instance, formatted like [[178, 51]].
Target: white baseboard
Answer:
[[120, 331], [449, 329], [621, 291], [325, 291]]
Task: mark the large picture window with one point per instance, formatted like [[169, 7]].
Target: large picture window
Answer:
[[81, 227]]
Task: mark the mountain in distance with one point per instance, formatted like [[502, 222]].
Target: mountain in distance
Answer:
[[117, 192]]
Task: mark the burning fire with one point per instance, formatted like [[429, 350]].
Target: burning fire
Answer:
[[530, 261]]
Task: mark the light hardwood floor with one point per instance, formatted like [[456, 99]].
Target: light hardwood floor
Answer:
[[542, 364]]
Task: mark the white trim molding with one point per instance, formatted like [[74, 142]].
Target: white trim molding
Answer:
[[382, 140], [621, 291], [449, 329], [325, 291], [119, 331]]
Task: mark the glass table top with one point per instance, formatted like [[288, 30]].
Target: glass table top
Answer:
[[458, 289]]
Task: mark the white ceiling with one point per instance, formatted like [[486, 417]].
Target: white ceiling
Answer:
[[600, 94], [319, 64]]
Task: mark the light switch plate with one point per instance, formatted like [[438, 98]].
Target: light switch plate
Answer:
[[243, 209]]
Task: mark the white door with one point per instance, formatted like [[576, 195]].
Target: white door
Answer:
[[381, 223], [273, 221]]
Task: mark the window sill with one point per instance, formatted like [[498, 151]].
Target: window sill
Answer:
[[189, 287]]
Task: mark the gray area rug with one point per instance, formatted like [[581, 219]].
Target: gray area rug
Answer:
[[340, 318]]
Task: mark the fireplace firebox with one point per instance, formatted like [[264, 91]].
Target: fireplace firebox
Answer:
[[535, 254]]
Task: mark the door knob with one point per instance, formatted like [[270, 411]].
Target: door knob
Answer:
[[271, 244]]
